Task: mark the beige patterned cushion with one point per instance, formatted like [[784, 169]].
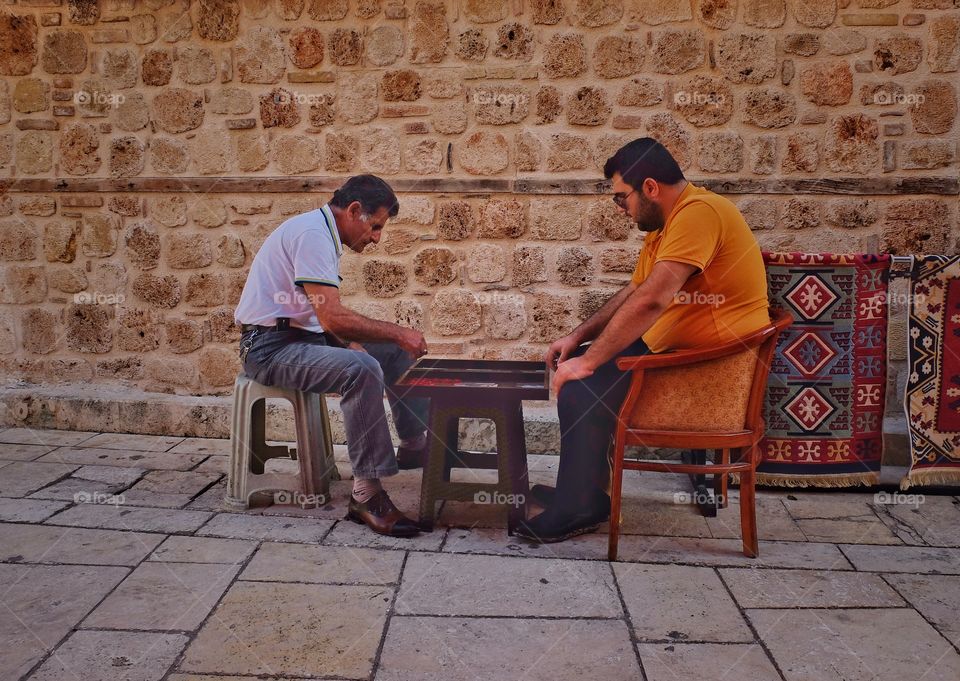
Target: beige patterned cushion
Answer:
[[708, 396]]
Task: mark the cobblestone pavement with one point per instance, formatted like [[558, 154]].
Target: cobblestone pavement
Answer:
[[116, 562]]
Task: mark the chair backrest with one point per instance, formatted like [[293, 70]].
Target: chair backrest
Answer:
[[721, 394]]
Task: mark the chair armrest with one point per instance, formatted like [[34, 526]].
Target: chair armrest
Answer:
[[692, 356]]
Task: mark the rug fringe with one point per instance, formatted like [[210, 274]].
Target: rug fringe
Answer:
[[839, 480], [930, 477]]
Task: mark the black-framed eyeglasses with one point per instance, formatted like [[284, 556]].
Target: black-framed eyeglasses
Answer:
[[621, 199]]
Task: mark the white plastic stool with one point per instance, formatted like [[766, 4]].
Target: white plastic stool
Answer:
[[250, 452]]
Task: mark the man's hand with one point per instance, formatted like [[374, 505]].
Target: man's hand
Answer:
[[560, 350], [356, 347], [413, 342], [574, 369]]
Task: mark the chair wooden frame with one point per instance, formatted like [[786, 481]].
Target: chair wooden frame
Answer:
[[745, 441]]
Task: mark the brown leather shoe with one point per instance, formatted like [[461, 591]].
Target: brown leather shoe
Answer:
[[411, 458], [380, 515]]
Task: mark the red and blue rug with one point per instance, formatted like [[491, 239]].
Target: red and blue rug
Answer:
[[933, 360], [825, 394]]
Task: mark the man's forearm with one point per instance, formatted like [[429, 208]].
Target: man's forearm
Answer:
[[352, 326], [631, 320], [593, 326]]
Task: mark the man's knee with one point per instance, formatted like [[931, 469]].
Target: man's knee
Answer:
[[364, 368]]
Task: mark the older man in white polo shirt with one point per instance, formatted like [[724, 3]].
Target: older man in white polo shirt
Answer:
[[297, 334]]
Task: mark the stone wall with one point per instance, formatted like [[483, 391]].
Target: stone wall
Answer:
[[147, 149]]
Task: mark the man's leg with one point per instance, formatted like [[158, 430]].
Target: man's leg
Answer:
[[409, 413], [304, 362], [588, 410]]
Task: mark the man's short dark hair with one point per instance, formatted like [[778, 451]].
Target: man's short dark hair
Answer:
[[643, 158], [372, 193]]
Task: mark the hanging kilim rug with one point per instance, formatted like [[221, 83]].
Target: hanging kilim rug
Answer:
[[825, 394], [933, 359]]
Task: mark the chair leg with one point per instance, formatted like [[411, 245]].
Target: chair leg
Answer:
[[720, 480], [748, 513], [616, 490], [241, 433]]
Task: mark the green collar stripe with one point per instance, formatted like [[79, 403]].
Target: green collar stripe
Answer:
[[331, 222]]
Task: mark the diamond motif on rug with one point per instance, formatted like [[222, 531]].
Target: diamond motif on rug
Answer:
[[809, 353], [811, 297], [809, 409]]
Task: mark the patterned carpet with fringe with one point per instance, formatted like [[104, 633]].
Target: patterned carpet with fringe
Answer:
[[933, 385], [825, 396]]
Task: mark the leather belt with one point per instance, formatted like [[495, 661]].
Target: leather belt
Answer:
[[283, 323]]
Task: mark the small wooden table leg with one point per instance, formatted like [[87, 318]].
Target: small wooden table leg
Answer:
[[434, 467], [516, 460]]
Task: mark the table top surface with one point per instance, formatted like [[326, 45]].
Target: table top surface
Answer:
[[525, 380]]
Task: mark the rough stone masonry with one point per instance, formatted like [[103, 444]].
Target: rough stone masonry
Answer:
[[148, 147]]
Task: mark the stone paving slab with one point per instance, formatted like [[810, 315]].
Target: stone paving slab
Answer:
[[117, 457], [176, 482], [497, 542], [773, 522], [323, 565], [48, 544], [114, 475], [680, 603], [662, 518], [212, 464], [181, 549], [855, 645], [441, 584], [259, 528], [80, 491], [47, 601], [936, 597], [203, 445], [936, 521], [753, 588], [910, 559], [23, 452], [729, 553], [828, 505], [211, 500], [700, 661], [133, 442], [348, 533], [860, 530], [52, 438], [295, 629], [164, 597], [467, 649], [21, 478], [120, 517], [29, 510], [112, 655]]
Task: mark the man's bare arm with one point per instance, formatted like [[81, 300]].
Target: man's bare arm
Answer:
[[593, 326], [349, 325], [640, 310]]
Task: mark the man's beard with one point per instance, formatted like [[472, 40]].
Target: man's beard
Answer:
[[650, 217]]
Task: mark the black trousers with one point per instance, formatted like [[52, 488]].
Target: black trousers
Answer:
[[588, 412]]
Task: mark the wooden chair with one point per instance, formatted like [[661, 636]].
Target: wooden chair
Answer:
[[706, 398]]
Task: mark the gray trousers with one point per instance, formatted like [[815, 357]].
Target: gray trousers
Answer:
[[302, 360]]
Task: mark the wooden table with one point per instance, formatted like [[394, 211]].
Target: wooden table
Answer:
[[465, 388]]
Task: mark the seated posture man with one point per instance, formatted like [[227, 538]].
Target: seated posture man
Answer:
[[296, 334], [699, 281]]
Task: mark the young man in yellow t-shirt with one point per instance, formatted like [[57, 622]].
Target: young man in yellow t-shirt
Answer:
[[699, 281]]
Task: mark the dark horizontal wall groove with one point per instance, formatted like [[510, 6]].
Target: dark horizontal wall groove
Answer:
[[229, 185]]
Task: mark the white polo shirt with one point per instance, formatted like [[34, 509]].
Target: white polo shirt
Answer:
[[305, 248]]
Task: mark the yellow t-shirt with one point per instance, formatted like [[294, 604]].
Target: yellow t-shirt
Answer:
[[727, 298]]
